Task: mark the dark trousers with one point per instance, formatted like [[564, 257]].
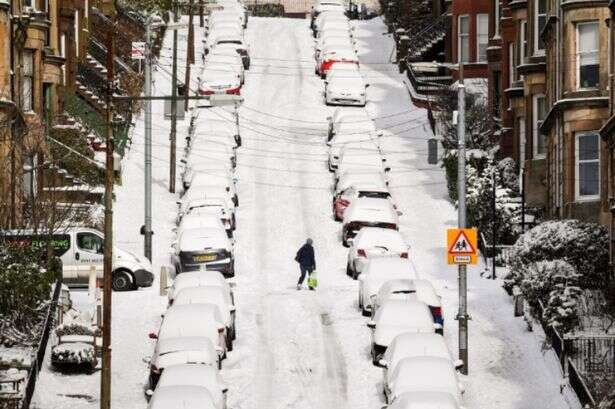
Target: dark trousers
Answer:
[[304, 271]]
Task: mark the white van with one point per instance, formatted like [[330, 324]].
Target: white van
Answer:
[[81, 250]]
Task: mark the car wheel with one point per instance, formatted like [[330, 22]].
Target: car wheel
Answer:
[[122, 281]]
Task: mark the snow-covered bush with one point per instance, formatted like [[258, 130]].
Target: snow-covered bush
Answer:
[[74, 353], [585, 246], [540, 278], [509, 174], [76, 328]]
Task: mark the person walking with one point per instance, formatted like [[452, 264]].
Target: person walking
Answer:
[[307, 262]]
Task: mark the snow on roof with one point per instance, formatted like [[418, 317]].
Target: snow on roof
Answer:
[[211, 295], [184, 397], [411, 344], [350, 177], [196, 279]]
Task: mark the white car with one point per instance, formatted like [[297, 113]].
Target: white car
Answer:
[[396, 317], [378, 271], [233, 61], [325, 6], [229, 43], [211, 295], [236, 14], [360, 160], [413, 344], [182, 350], [410, 289], [368, 212], [219, 79], [358, 177], [358, 190], [424, 400], [207, 180], [199, 166], [374, 242], [334, 40], [342, 141], [424, 374], [185, 397], [215, 36], [330, 15], [342, 70], [196, 375], [200, 279], [203, 249], [224, 206], [354, 119], [346, 88]]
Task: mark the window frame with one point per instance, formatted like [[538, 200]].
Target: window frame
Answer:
[[482, 17], [577, 180], [539, 51], [512, 68], [88, 233], [536, 127], [27, 77], [523, 42], [460, 37], [595, 23]]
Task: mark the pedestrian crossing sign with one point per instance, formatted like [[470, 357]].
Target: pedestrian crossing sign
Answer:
[[462, 246]]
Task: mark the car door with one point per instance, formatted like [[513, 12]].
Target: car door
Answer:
[[88, 254], [64, 247]]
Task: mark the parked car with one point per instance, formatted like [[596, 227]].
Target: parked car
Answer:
[[345, 198], [341, 56], [203, 376], [184, 397], [368, 212], [224, 206], [357, 140], [413, 344], [359, 118], [334, 40], [424, 400], [324, 6], [358, 176], [216, 296], [342, 70], [424, 374], [237, 14], [226, 32], [236, 43], [218, 57], [378, 271], [328, 16], [358, 158], [396, 317], [200, 279], [408, 289], [209, 182], [374, 242], [203, 249], [81, 250], [219, 79], [334, 25], [347, 88], [207, 217]]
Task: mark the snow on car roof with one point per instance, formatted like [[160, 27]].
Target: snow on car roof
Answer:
[[208, 294], [190, 375], [377, 236], [426, 374], [425, 400], [372, 210], [184, 397], [391, 265], [193, 295], [351, 177], [411, 344], [200, 218], [196, 279], [404, 312], [198, 239], [176, 344], [188, 321]]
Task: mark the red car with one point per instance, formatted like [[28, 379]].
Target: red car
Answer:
[[343, 200], [329, 59]]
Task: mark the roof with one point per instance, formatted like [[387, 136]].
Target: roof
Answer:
[[349, 178], [425, 374]]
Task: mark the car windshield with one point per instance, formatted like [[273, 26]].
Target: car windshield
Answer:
[[375, 195]]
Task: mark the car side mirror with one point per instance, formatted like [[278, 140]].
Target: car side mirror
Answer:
[[371, 324], [328, 143], [149, 393], [383, 363], [387, 169], [233, 309], [153, 335], [184, 161], [225, 390], [459, 364], [367, 85]]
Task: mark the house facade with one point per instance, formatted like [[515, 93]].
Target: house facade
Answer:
[[469, 39]]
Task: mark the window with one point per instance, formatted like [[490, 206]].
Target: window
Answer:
[[463, 34], [539, 114], [77, 33], [540, 20], [482, 37], [29, 177], [588, 59], [27, 89], [522, 142], [587, 160], [90, 242], [523, 42], [512, 74], [497, 95], [496, 22]]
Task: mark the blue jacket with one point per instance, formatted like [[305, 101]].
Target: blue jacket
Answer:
[[305, 256]]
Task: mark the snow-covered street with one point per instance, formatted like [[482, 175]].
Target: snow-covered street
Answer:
[[303, 349]]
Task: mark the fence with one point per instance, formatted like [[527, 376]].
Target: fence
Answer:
[[42, 347]]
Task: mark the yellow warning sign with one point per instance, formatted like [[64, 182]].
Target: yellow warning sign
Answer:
[[462, 245]]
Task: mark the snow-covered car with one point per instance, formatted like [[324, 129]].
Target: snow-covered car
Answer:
[[330, 15], [200, 279], [203, 249], [342, 70], [346, 120], [341, 56], [325, 6], [225, 32], [396, 317], [354, 176], [368, 212], [197, 166], [424, 374], [333, 25], [424, 400], [378, 271], [374, 242], [342, 141], [224, 206], [346, 88], [356, 191], [182, 350], [333, 40], [207, 217], [236, 14], [208, 181], [219, 79], [360, 161], [413, 344], [229, 43], [203, 376], [185, 397], [407, 289], [211, 294], [233, 61]]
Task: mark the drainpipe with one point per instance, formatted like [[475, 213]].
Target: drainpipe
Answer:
[[12, 220], [558, 123]]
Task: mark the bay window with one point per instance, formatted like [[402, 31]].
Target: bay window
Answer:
[[539, 112], [540, 20], [587, 164], [463, 38], [27, 82], [588, 59], [482, 37]]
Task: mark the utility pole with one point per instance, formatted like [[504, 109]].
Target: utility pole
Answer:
[[201, 11], [173, 135], [105, 378], [189, 53], [148, 143], [462, 315]]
